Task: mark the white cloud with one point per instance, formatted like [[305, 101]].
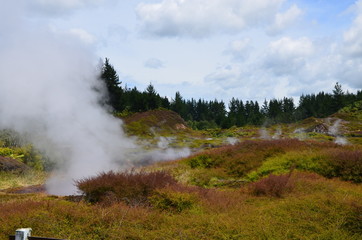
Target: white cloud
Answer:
[[287, 56], [286, 67], [350, 68], [83, 35], [247, 82], [353, 37], [154, 63], [200, 18], [239, 49], [284, 20], [60, 7]]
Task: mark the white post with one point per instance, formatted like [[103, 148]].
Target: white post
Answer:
[[22, 233]]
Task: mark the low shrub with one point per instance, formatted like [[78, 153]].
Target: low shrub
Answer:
[[330, 161], [345, 164], [200, 161], [302, 160], [12, 153], [131, 187], [239, 159], [203, 177], [273, 186], [169, 200]]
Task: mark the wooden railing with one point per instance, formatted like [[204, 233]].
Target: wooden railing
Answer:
[[25, 234], [36, 238]]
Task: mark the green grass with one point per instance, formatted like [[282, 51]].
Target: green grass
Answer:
[[316, 208], [14, 180], [222, 191]]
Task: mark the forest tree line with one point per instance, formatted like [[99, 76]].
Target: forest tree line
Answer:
[[202, 114]]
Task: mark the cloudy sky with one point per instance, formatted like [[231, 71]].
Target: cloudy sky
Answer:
[[249, 49]]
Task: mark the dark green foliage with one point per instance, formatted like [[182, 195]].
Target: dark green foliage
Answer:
[[178, 105], [153, 99], [113, 86], [202, 125], [201, 161]]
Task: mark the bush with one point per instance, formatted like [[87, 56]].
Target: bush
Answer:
[[273, 186], [169, 200], [200, 161], [344, 164], [302, 160], [206, 178], [330, 162], [131, 187]]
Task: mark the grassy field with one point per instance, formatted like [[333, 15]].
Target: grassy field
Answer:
[[240, 183], [312, 207]]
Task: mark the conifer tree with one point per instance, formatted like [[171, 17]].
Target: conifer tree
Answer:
[[112, 83]]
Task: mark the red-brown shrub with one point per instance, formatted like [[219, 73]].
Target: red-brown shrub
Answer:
[[273, 186], [131, 187], [345, 164]]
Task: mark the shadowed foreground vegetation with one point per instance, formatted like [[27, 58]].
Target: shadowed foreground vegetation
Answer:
[[314, 208], [283, 189]]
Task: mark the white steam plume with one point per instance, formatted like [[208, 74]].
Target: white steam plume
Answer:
[[46, 91], [334, 130], [264, 134]]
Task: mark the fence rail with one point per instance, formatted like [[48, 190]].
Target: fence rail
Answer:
[[35, 238]]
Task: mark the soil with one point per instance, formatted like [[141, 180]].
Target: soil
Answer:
[[9, 164]]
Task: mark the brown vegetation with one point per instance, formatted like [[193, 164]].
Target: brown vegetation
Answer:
[[273, 186], [10, 164], [160, 119], [130, 187]]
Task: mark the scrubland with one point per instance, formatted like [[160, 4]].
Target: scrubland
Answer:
[[278, 187]]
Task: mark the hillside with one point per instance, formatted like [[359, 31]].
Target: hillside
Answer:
[[285, 181], [160, 121]]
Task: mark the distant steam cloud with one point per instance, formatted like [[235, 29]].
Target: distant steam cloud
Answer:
[[264, 134], [334, 130]]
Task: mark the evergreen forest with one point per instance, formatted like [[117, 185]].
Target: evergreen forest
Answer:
[[202, 114]]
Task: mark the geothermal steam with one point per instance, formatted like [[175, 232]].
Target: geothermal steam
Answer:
[[47, 91]]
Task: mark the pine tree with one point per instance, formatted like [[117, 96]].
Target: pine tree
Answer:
[[114, 90], [153, 100], [338, 97]]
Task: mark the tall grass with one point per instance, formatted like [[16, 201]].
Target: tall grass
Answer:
[[28, 178], [317, 208]]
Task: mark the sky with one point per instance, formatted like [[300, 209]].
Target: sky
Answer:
[[211, 49]]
